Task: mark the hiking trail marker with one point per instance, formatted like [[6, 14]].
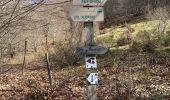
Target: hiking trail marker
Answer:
[[93, 78], [91, 62]]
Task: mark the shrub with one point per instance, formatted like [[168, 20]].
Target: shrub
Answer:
[[165, 40], [122, 41], [143, 46], [136, 47], [64, 55], [144, 42], [143, 36], [149, 47]]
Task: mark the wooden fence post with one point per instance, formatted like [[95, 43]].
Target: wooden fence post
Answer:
[[24, 61]]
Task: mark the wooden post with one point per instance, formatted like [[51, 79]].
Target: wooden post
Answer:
[[36, 44], [48, 68], [1, 60], [1, 52], [47, 58], [11, 50], [0, 65], [91, 89], [24, 61]]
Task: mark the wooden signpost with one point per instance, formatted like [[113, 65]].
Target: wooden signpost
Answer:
[[88, 11]]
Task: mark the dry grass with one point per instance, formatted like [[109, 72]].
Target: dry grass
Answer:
[[123, 75]]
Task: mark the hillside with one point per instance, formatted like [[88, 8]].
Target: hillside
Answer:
[[123, 74], [41, 40]]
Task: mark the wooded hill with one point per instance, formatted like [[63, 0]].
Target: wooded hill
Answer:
[[38, 41]]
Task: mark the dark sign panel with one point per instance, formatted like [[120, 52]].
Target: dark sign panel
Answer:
[[87, 50]]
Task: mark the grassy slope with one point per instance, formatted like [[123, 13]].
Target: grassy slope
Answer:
[[114, 33]]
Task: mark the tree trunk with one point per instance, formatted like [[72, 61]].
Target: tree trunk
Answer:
[[1, 52]]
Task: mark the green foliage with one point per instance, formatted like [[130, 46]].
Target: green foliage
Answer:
[[149, 47], [165, 40], [105, 41], [64, 55], [64, 59], [122, 41], [143, 36], [136, 47], [167, 50], [145, 41]]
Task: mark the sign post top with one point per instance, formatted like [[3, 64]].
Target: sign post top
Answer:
[[89, 2]]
